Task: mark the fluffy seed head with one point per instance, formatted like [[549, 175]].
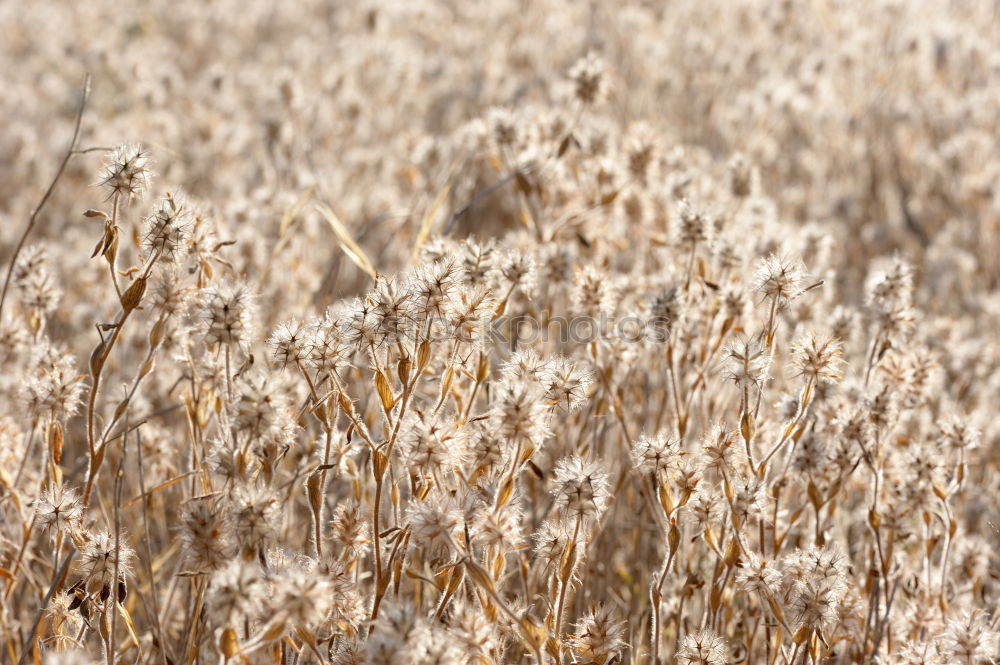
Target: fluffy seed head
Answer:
[[582, 489], [126, 172]]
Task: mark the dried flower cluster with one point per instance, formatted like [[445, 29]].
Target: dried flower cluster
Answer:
[[555, 333]]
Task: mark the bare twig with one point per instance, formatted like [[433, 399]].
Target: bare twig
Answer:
[[84, 94]]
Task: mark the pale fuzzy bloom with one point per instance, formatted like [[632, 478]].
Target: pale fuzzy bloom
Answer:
[[237, 590], [13, 338], [691, 226], [394, 628], [58, 509], [69, 656], [747, 361], [327, 350], [655, 453], [555, 264], [519, 413], [568, 383], [433, 286], [261, 414], [435, 521], [168, 293], [640, 150], [919, 653], [357, 323], [968, 638], [289, 343], [503, 128], [881, 408], [600, 635], [525, 364], [687, 474], [168, 229], [703, 648], [971, 557], [720, 450], [256, 515], [485, 448], [926, 474], [427, 445], [226, 313], [300, 596], [53, 389], [431, 644], [590, 79], [499, 529], [666, 309], [891, 288], [470, 315], [918, 618], [551, 540], [814, 606], [473, 631], [779, 279], [350, 526], [707, 510], [391, 311], [477, 261], [64, 623], [126, 173], [205, 534], [889, 293], [818, 582], [826, 566], [100, 556], [957, 434], [818, 359], [750, 500], [39, 291], [582, 489], [439, 249], [844, 323], [349, 609], [593, 293], [31, 259], [517, 269]]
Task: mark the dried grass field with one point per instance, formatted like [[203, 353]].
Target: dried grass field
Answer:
[[472, 333]]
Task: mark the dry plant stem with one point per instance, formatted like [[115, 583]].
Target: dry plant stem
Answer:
[[770, 329], [98, 362], [804, 403], [102, 353], [378, 470], [129, 395], [84, 94], [29, 638], [191, 633], [20, 555], [111, 604], [113, 259], [149, 555], [656, 596], [679, 417], [564, 585]]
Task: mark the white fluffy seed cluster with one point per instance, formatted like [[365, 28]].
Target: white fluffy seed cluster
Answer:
[[657, 337]]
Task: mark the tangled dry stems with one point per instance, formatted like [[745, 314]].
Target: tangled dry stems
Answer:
[[686, 355]]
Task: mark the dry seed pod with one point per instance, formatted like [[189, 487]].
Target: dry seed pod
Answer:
[[133, 295]]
